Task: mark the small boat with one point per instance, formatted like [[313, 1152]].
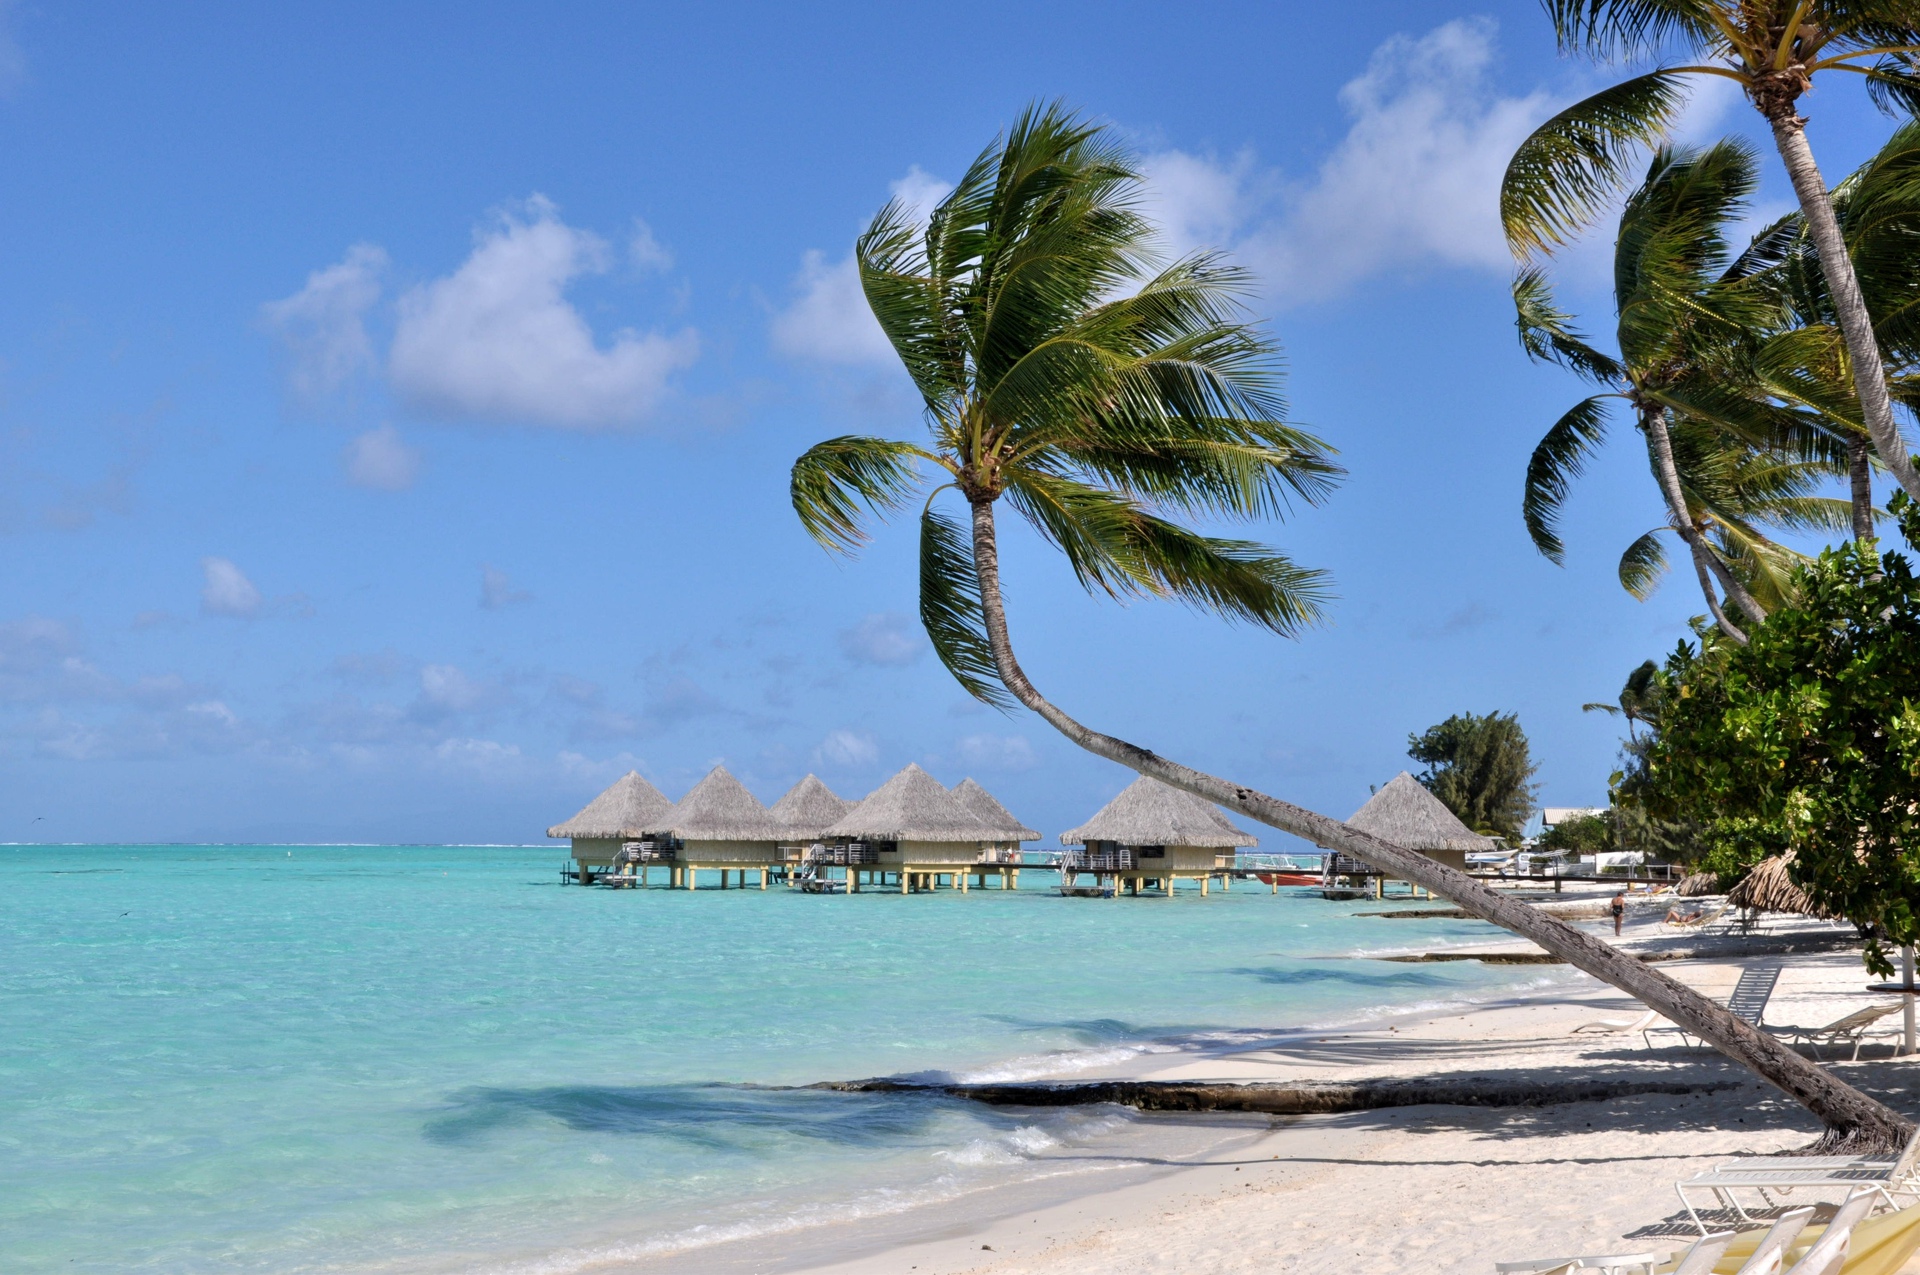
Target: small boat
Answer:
[[1288, 878]]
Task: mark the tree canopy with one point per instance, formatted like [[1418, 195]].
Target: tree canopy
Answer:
[[1808, 739], [1480, 768]]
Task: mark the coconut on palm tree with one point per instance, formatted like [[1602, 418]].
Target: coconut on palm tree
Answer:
[[1726, 455], [1109, 400], [1569, 168]]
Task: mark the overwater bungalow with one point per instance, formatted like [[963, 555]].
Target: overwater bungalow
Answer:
[[1153, 832], [630, 810], [808, 810], [914, 828], [719, 824], [1404, 813], [1003, 856]]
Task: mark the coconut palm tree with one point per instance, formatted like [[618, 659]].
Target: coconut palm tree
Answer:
[[1806, 363], [1639, 699], [1566, 171], [1107, 402], [1685, 309]]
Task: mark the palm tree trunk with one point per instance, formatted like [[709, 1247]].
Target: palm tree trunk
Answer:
[[1727, 626], [1660, 444], [1860, 474], [1856, 325], [1853, 1120]]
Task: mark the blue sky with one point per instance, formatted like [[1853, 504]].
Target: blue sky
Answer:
[[396, 404]]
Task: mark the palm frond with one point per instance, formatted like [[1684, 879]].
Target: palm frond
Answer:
[[1560, 458], [1118, 548], [1642, 565], [1547, 332], [1571, 166], [950, 609], [833, 480]]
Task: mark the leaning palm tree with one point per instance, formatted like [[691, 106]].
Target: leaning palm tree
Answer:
[[1108, 402], [1686, 311], [1566, 171]]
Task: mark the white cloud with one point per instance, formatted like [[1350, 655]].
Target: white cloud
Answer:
[[497, 339], [323, 326], [478, 754], [996, 752], [886, 638], [847, 748], [829, 322], [1413, 183], [13, 58], [381, 459], [226, 590], [444, 688], [646, 252], [497, 591]]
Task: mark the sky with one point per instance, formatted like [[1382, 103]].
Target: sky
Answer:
[[396, 406]]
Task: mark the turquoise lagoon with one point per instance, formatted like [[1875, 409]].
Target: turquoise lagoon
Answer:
[[241, 1058]]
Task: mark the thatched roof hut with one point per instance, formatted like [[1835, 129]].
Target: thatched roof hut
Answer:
[[719, 808], [629, 808], [1150, 813], [809, 809], [989, 811], [1769, 888], [1405, 814], [912, 806]]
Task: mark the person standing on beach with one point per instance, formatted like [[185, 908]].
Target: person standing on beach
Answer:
[[1619, 909]]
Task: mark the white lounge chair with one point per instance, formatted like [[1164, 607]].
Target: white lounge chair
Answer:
[[1624, 1025], [1606, 1263], [1880, 1179], [1841, 1030], [1747, 1001], [1829, 1252], [1766, 1255]]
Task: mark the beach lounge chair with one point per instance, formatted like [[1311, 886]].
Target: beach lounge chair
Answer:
[[1748, 1001], [1627, 1025], [1829, 1253], [1770, 1253], [1696, 920], [1879, 1246], [1842, 1030], [1605, 1263], [1765, 1176]]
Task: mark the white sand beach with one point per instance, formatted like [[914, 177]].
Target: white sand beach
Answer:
[[1437, 1188]]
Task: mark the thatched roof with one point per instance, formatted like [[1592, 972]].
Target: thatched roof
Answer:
[[1695, 884], [1770, 889], [990, 812], [912, 806], [809, 809], [719, 808], [1405, 814], [1150, 813], [630, 807]]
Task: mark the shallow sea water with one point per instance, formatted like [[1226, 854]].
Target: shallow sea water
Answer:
[[239, 1059]]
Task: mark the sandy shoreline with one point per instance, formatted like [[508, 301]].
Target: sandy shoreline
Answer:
[[1434, 1187]]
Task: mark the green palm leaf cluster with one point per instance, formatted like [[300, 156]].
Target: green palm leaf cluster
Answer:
[[1113, 400], [1570, 168], [1691, 322]]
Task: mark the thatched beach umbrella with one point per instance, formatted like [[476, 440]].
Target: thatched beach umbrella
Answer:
[[1695, 884], [913, 825], [1155, 832], [1768, 888], [809, 809], [629, 810]]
